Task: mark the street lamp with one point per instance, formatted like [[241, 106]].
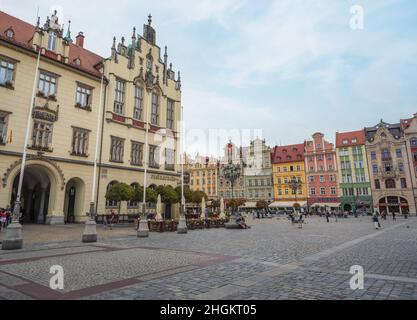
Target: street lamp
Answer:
[[231, 172], [295, 184]]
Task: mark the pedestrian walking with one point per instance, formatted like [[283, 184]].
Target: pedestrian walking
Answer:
[[3, 218], [327, 216], [112, 219], [375, 219], [300, 221], [9, 215], [393, 216]]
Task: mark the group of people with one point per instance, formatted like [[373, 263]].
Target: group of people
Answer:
[[5, 217]]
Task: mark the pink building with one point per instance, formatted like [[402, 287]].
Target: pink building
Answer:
[[321, 173]]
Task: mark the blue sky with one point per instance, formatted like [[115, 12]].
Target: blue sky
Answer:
[[289, 67]]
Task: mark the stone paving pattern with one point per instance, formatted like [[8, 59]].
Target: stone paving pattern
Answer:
[[273, 260]]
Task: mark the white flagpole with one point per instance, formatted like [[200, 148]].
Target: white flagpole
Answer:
[[13, 239], [16, 211], [90, 228]]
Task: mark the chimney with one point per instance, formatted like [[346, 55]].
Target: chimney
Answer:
[[80, 40]]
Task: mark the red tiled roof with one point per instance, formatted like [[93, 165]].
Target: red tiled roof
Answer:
[[349, 137], [23, 35], [290, 153]]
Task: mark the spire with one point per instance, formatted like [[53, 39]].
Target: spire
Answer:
[[178, 87], [150, 19], [165, 78], [114, 50], [38, 22], [123, 41], [134, 35], [68, 35]]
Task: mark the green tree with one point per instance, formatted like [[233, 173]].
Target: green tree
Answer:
[[187, 194], [168, 194], [262, 204], [120, 192], [151, 196], [197, 196]]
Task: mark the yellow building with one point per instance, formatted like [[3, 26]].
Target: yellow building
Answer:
[[203, 176], [57, 185], [288, 166]]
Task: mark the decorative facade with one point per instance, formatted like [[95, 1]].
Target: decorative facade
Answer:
[[409, 127], [321, 172], [138, 88], [258, 173], [203, 173], [224, 186], [387, 156], [354, 180], [289, 176]]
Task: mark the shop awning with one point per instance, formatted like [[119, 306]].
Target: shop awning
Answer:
[[283, 204], [326, 204]]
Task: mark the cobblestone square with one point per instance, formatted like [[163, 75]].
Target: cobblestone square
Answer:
[[273, 260]]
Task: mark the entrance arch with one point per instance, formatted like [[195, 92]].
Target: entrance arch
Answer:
[[394, 204], [37, 194], [74, 200]]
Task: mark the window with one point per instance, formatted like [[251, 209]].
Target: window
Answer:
[[111, 204], [332, 178], [47, 84], [83, 98], [377, 184], [333, 190], [136, 154], [170, 114], [403, 183], [373, 155], [119, 97], [291, 168], [138, 109], [10, 33], [354, 140], [345, 141], [170, 159], [401, 167], [3, 127], [413, 142], [322, 191], [399, 153], [313, 191], [298, 168], [374, 168], [154, 157], [322, 179], [133, 204], [117, 149], [365, 191], [386, 155], [52, 40], [155, 109], [311, 178], [285, 168], [6, 71], [42, 135], [390, 184], [80, 141]]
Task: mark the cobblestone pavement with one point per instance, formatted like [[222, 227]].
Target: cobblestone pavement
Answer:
[[273, 260]]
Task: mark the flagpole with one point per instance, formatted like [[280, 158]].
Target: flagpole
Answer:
[[182, 224], [14, 239], [90, 229], [143, 230]]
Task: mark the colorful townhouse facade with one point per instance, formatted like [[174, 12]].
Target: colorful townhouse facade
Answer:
[[140, 92], [203, 176], [389, 168], [289, 176], [322, 174], [409, 127], [353, 174]]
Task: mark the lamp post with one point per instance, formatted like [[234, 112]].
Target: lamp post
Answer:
[[295, 185], [232, 173]]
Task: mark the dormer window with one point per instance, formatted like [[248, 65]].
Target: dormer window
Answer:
[[10, 33], [52, 40], [77, 62]]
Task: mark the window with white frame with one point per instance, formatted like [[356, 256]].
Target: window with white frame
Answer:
[[154, 157], [333, 190], [322, 191], [313, 191], [170, 114], [6, 71], [80, 141], [116, 149], [52, 41], [42, 135], [155, 109], [119, 98], [169, 159], [136, 154], [138, 108], [83, 98], [47, 84]]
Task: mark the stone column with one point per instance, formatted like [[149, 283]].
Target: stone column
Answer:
[[41, 216]]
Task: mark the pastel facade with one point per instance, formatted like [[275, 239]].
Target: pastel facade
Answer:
[[258, 173], [354, 180], [57, 185], [321, 172], [289, 164], [387, 156], [409, 127], [203, 175]]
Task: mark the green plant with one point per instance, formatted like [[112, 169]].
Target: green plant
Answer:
[[168, 194], [120, 192]]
